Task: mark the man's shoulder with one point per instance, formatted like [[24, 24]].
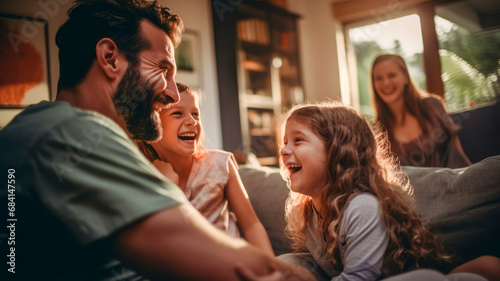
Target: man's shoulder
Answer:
[[44, 117], [39, 124], [42, 114], [26, 127]]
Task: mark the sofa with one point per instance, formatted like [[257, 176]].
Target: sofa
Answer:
[[480, 135], [462, 206]]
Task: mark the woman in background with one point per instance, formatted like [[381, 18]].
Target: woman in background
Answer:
[[420, 130]]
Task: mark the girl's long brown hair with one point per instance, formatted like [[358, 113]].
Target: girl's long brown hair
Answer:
[[359, 161]]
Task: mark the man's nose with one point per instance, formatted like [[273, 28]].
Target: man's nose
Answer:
[[172, 91]]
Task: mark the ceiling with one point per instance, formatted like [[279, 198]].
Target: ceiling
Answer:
[[475, 15]]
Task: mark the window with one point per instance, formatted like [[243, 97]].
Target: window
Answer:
[[470, 65], [461, 39], [400, 36]]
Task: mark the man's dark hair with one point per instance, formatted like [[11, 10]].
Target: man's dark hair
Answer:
[[119, 20]]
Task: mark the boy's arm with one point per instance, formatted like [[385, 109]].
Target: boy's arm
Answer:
[[179, 243], [237, 196]]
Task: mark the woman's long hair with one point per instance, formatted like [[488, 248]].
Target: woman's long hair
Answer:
[[412, 97], [359, 161]]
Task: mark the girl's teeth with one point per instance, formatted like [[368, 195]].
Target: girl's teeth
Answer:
[[187, 135], [294, 168]]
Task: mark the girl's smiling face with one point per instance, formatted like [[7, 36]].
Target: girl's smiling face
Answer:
[[181, 127], [304, 156]]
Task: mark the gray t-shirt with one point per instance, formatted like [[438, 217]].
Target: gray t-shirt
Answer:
[[363, 240], [79, 179]]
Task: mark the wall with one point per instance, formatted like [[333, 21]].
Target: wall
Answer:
[[317, 39], [318, 49], [55, 14], [196, 15]]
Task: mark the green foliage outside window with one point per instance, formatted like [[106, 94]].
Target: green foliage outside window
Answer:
[[470, 65]]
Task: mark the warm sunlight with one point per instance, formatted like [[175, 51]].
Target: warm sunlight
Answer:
[[406, 30]]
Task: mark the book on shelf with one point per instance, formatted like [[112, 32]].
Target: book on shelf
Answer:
[[254, 66], [284, 40], [288, 69], [253, 30]]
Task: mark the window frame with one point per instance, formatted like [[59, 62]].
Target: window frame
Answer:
[[357, 13], [351, 55]]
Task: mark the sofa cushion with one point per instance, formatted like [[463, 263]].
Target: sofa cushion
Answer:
[[268, 193], [461, 205]]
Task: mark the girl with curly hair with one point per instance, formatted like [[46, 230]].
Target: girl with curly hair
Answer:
[[350, 205]]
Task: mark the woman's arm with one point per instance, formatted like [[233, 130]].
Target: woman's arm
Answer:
[[459, 147], [240, 204]]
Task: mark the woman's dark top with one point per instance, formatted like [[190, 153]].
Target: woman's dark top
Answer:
[[437, 148]]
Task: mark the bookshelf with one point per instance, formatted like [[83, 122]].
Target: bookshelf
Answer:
[[258, 75]]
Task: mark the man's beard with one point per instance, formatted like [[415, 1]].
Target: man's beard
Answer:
[[133, 100]]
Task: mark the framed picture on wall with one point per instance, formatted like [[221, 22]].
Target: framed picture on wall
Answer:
[[188, 59], [24, 67]]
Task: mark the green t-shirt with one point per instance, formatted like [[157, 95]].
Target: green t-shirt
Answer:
[[78, 180]]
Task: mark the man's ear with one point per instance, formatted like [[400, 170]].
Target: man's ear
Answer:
[[109, 58]]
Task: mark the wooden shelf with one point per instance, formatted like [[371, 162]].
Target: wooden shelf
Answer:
[[255, 66], [255, 46], [292, 78], [259, 132], [258, 101], [247, 41]]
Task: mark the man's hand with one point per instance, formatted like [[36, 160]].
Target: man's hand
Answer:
[[167, 170]]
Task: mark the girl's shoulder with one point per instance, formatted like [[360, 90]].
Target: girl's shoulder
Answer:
[[363, 206], [217, 157], [214, 165], [364, 201], [216, 154]]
